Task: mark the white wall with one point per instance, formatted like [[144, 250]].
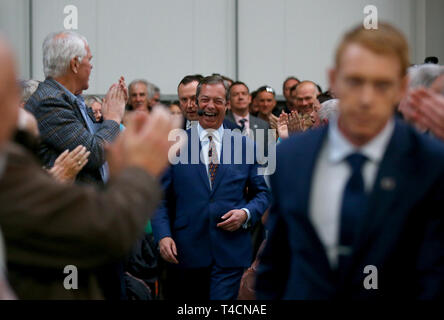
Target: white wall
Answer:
[[162, 40], [297, 37], [435, 29], [158, 40], [14, 23]]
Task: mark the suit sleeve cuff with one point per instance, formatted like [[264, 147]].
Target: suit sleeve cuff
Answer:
[[246, 224]]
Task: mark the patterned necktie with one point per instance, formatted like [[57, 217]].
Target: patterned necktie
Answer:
[[354, 205], [242, 122], [213, 160]]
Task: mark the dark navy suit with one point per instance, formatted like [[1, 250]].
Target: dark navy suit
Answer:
[[402, 234], [191, 209]]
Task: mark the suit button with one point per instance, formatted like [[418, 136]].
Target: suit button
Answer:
[[211, 200]]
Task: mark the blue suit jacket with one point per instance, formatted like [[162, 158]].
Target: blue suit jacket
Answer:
[[402, 233], [62, 127], [190, 210]]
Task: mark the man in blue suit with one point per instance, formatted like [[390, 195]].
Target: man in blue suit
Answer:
[[358, 206], [203, 223]]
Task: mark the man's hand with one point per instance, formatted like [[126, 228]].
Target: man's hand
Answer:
[[234, 219], [282, 125], [124, 88], [168, 250], [273, 120], [113, 107], [69, 164], [430, 110], [294, 122]]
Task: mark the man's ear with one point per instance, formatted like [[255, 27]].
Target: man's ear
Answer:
[[74, 65], [249, 99]]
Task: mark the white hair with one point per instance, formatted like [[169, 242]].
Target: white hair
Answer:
[[28, 88], [328, 109], [58, 50], [424, 74], [136, 81], [152, 89]]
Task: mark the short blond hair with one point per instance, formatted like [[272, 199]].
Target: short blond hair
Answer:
[[386, 40]]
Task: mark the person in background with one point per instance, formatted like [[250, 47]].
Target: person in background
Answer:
[[254, 107], [175, 109], [47, 225], [153, 95], [28, 89], [69, 163], [138, 95], [95, 103], [64, 120], [289, 83], [266, 100], [423, 105], [366, 197]]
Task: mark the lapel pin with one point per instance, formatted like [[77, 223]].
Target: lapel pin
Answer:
[[255, 126], [388, 183]]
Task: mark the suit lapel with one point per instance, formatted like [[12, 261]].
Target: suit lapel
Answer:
[[230, 116], [200, 166], [394, 174], [253, 124], [311, 148]]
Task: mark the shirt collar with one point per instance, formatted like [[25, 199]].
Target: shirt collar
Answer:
[[70, 94], [340, 147], [217, 134], [238, 118]]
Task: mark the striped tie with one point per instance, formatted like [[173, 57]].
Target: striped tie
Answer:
[[213, 160]]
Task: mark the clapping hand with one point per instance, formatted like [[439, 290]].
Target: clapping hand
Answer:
[[69, 164]]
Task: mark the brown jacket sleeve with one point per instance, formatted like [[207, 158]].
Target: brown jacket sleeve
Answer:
[[49, 224]]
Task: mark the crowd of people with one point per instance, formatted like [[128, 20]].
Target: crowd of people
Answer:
[[89, 181]]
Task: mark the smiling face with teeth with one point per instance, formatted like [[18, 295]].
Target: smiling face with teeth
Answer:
[[214, 105]]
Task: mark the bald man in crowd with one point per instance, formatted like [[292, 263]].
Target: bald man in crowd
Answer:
[[48, 226], [304, 96]]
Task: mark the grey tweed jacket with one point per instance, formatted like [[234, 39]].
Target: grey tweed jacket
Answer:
[[62, 127]]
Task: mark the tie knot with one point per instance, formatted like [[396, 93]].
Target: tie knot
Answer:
[[242, 121], [210, 137], [356, 160]]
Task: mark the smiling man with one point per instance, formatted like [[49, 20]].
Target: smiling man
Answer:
[[202, 226], [138, 95], [367, 194], [63, 118], [186, 91]]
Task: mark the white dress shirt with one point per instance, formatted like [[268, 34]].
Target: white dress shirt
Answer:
[[331, 173], [205, 143], [237, 119]]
